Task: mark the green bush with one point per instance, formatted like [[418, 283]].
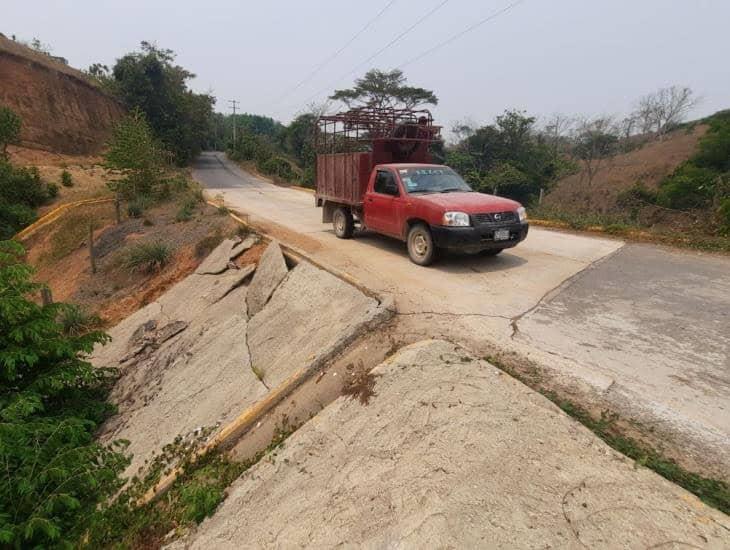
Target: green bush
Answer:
[[51, 403], [135, 209], [21, 192], [714, 149], [52, 190], [187, 209], [689, 186], [148, 257], [10, 124], [76, 321], [66, 179]]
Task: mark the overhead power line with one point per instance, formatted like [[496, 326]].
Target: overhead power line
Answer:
[[377, 53], [332, 57], [460, 34]]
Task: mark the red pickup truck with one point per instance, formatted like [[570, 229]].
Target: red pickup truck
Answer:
[[429, 206]]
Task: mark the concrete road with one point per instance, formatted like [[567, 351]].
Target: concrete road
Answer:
[[643, 329]]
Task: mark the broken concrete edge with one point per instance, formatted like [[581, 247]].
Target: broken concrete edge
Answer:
[[296, 255], [230, 434]]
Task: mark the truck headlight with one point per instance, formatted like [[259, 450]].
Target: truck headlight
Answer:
[[455, 219], [522, 213]]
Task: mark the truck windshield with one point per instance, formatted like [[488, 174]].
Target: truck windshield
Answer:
[[432, 179]]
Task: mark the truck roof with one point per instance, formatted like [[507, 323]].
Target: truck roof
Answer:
[[398, 165]]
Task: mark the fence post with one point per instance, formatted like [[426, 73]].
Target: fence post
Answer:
[[542, 193], [46, 296], [117, 209], [92, 258]]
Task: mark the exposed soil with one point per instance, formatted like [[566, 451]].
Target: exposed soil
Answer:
[[60, 254], [62, 109]]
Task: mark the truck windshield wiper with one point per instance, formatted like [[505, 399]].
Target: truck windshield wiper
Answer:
[[455, 189]]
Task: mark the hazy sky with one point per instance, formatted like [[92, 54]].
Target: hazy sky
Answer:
[[543, 56]]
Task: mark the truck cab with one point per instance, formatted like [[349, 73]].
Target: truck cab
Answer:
[[428, 206]]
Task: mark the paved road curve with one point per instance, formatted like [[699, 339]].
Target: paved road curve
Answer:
[[647, 329]]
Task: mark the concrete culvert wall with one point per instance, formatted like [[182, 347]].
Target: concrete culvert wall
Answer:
[[194, 359]]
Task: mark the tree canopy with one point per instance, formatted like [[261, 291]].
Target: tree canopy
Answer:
[[385, 89], [150, 80], [10, 124]]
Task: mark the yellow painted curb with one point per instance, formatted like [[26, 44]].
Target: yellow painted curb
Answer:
[[56, 213]]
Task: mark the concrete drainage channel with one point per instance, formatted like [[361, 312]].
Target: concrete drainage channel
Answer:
[[227, 345]]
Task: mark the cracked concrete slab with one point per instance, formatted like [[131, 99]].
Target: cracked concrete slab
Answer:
[[450, 452], [310, 314], [244, 245], [181, 375], [270, 272], [217, 261]]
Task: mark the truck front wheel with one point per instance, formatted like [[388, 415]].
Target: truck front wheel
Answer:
[[421, 248], [343, 223]]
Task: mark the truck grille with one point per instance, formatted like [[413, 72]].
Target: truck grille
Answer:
[[496, 218]]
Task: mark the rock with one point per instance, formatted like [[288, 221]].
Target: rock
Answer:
[[244, 245], [217, 261], [270, 272], [226, 282]]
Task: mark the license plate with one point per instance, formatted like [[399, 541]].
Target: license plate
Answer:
[[501, 235]]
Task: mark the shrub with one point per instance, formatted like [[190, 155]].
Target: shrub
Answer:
[[10, 124], [52, 190], [185, 213], [51, 402], [147, 257], [66, 179], [135, 209], [689, 186]]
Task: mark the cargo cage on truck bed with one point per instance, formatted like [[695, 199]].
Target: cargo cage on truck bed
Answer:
[[350, 144]]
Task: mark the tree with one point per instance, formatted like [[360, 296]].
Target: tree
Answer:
[[136, 153], [10, 124], [151, 82], [384, 89], [662, 110], [596, 140], [556, 131], [51, 402]]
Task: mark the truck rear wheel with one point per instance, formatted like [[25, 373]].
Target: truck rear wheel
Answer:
[[421, 249], [343, 223]]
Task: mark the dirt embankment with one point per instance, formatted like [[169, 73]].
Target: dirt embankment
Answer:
[[62, 110], [647, 165]]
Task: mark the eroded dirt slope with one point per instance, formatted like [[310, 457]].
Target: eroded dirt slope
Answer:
[[62, 110]]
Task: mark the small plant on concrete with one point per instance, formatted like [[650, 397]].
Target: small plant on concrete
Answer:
[[259, 372], [148, 257], [66, 179]]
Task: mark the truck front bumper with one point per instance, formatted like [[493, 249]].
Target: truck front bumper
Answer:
[[477, 238]]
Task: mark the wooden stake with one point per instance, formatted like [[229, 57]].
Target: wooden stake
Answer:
[[46, 296], [92, 258], [118, 209]]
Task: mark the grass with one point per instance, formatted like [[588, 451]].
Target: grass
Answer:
[[147, 257], [76, 321], [259, 372], [194, 496], [712, 492], [626, 228]]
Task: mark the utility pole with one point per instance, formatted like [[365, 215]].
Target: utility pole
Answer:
[[233, 104]]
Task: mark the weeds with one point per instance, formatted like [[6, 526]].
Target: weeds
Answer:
[[713, 492], [76, 321], [147, 257], [259, 372]]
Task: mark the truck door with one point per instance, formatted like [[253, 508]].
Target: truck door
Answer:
[[381, 208]]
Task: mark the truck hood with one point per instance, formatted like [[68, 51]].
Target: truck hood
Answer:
[[471, 203]]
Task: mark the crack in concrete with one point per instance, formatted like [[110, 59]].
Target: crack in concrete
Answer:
[[250, 361], [448, 314]]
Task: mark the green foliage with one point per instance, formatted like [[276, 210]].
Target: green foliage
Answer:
[[21, 192], [135, 152], [10, 124], [690, 186], [135, 209], [149, 80], [51, 402], [147, 257], [714, 149], [507, 156], [76, 321], [723, 217], [185, 213], [66, 179], [52, 190], [385, 89]]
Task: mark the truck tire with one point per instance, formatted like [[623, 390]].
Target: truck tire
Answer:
[[343, 223], [421, 249]]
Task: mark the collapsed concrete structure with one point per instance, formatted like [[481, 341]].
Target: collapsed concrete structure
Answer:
[[196, 359]]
